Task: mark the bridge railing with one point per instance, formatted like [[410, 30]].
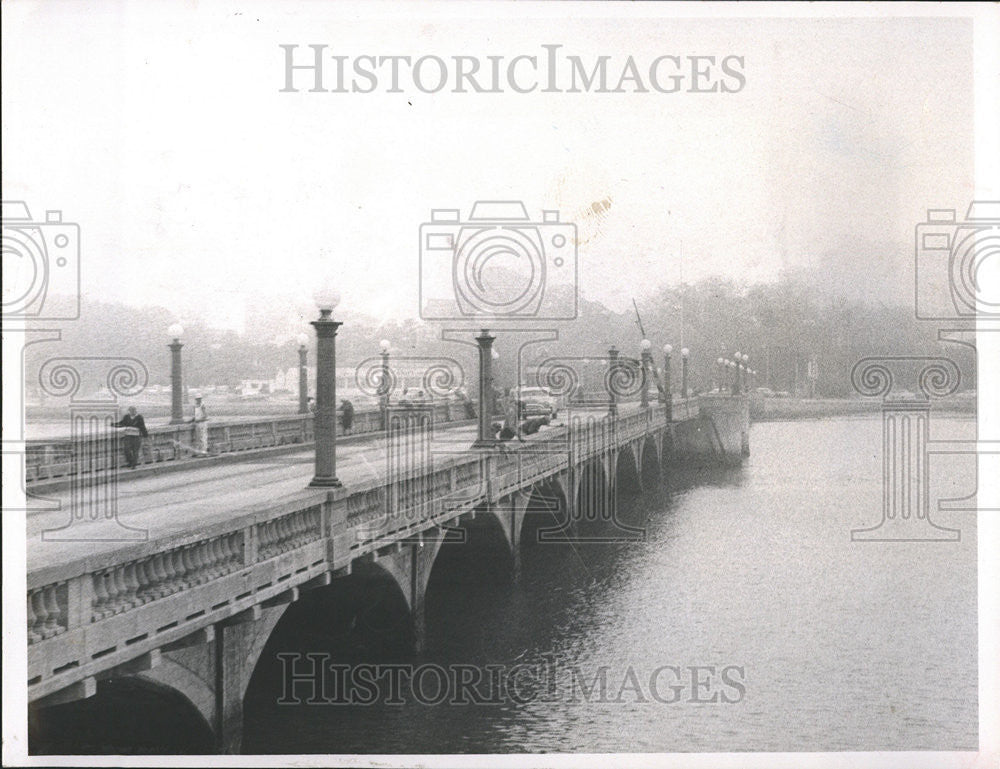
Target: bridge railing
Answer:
[[91, 614], [51, 459]]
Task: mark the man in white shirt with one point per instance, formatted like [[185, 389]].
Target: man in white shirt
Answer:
[[200, 421]]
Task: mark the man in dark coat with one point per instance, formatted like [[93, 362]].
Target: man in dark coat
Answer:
[[346, 416], [135, 431]]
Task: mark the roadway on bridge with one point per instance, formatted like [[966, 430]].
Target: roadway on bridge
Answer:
[[190, 500]]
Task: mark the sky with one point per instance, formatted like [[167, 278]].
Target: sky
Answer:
[[199, 186]]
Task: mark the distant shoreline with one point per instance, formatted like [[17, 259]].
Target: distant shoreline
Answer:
[[788, 409]]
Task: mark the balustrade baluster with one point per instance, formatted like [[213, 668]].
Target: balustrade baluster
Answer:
[[33, 637], [226, 553], [180, 570], [218, 557], [131, 584], [198, 559], [229, 552], [159, 575], [285, 527], [54, 622], [191, 574], [37, 603], [99, 605], [238, 550], [121, 602], [170, 584], [145, 578]]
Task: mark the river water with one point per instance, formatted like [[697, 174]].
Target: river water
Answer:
[[748, 589]]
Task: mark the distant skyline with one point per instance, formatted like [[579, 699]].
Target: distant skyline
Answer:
[[201, 188]]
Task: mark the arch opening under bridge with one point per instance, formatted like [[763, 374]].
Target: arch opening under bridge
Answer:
[[131, 715]]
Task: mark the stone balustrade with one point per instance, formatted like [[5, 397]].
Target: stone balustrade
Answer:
[[52, 459], [89, 615]]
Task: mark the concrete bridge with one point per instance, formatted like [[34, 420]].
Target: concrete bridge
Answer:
[[173, 585]]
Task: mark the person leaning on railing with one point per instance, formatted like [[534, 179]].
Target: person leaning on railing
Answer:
[[200, 421], [135, 431]]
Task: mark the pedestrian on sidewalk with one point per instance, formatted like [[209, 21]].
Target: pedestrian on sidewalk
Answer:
[[346, 415], [135, 431], [200, 422], [470, 410]]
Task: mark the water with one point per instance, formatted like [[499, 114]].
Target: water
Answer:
[[842, 646]]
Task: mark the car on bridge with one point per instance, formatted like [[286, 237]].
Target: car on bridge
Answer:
[[537, 402]]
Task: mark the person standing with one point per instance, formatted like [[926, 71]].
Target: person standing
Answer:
[[470, 410], [200, 421], [346, 415], [135, 431]]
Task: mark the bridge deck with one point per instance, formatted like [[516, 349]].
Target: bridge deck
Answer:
[[195, 498]]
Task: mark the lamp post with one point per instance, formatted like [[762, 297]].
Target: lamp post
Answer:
[[737, 371], [647, 367], [485, 438], [176, 380], [684, 371], [303, 340], [325, 424], [668, 387], [746, 373], [383, 384], [720, 368], [612, 377]]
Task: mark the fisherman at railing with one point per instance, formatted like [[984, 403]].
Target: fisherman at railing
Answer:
[[135, 430]]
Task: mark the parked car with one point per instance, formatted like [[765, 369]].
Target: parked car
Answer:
[[537, 401], [766, 392]]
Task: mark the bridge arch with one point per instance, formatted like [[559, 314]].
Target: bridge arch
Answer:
[[480, 546], [545, 512], [128, 715], [650, 472], [468, 578], [594, 490], [627, 477]]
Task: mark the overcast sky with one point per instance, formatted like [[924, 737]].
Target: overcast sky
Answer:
[[200, 187]]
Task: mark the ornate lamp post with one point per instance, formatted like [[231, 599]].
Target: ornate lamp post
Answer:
[[303, 340], [176, 379], [485, 438], [684, 371], [384, 384], [668, 385], [325, 425], [647, 367], [612, 381], [720, 370], [746, 372], [737, 371]]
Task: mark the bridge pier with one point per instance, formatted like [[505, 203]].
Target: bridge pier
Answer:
[[721, 432]]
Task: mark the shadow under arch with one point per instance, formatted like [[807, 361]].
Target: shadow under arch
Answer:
[[546, 513], [650, 472], [627, 481], [356, 619], [129, 715], [469, 576]]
